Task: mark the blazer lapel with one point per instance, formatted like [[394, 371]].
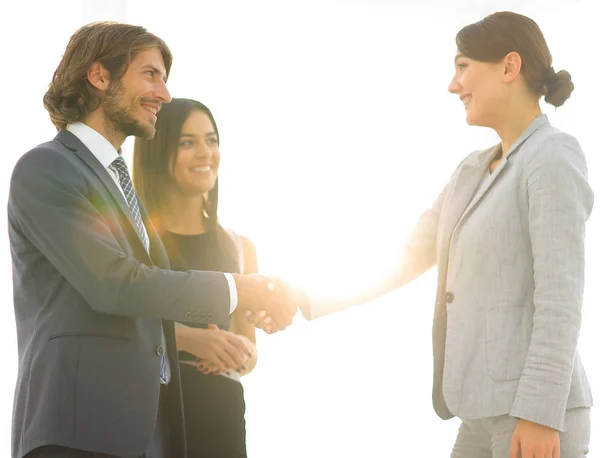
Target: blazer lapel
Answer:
[[485, 160], [158, 254], [465, 184], [75, 145]]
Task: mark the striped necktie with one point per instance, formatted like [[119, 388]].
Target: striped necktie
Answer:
[[132, 202], [120, 167]]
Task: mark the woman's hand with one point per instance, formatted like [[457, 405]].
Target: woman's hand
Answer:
[[207, 368], [219, 350], [531, 440]]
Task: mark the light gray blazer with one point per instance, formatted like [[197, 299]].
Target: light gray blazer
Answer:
[[510, 263]]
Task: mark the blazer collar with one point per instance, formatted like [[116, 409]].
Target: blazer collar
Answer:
[[481, 163], [483, 158]]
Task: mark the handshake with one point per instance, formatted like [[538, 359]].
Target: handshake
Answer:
[[268, 302]]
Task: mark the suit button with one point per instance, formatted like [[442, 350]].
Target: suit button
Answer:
[[159, 350], [449, 297], [187, 316]]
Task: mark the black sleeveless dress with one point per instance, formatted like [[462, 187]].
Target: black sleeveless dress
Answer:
[[214, 405]]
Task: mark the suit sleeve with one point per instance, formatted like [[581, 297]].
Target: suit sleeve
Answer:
[[418, 254], [560, 202], [419, 251], [50, 204]]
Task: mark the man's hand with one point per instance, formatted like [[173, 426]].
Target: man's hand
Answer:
[[531, 440], [271, 295], [262, 320], [221, 350]]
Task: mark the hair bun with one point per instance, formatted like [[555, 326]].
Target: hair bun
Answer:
[[558, 87]]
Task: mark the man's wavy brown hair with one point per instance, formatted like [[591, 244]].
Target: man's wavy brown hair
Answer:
[[70, 96]]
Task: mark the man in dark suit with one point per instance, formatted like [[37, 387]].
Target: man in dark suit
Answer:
[[94, 299]]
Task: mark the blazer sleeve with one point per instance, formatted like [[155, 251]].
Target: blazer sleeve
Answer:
[[49, 203], [560, 202], [419, 250], [418, 254]]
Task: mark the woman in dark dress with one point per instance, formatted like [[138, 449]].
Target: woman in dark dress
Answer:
[[175, 176]]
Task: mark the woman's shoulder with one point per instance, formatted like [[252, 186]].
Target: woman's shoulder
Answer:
[[240, 240], [551, 134], [553, 145], [247, 244], [245, 248]]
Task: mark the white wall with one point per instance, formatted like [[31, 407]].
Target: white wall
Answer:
[[337, 131]]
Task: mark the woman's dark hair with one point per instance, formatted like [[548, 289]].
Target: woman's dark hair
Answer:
[[153, 158], [499, 34]]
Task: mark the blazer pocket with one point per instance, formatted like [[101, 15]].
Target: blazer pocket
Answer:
[[96, 335], [504, 342]]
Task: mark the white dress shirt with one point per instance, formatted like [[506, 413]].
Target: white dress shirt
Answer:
[[106, 153]]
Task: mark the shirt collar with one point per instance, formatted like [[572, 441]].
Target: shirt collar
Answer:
[[98, 145]]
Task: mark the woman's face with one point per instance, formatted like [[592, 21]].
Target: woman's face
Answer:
[[195, 166], [481, 88]]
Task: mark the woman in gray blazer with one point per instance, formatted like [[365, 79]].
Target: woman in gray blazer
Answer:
[[507, 236]]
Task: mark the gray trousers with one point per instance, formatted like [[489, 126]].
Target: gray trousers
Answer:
[[491, 437]]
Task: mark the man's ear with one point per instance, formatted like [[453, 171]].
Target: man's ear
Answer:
[[98, 76], [512, 66]]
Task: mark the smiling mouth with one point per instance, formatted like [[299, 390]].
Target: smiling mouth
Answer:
[[205, 168], [465, 99], [151, 108]]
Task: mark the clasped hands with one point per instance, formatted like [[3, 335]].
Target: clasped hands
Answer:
[[217, 351], [268, 302]]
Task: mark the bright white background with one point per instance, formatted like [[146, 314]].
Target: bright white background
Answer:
[[336, 132]]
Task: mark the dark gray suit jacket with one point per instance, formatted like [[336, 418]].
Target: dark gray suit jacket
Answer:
[[89, 303]]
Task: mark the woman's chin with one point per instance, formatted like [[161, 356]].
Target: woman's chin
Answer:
[[473, 120], [470, 119]]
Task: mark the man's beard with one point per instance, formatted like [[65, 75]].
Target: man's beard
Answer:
[[118, 114]]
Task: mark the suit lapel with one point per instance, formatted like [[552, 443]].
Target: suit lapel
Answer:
[[157, 249], [75, 145], [463, 201], [485, 159], [465, 184]]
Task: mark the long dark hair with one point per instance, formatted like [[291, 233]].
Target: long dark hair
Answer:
[[499, 34], [151, 175]]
